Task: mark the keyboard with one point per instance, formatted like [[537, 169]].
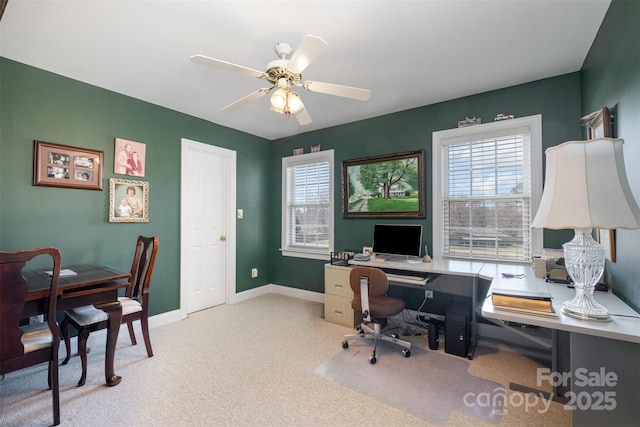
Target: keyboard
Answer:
[[405, 278]]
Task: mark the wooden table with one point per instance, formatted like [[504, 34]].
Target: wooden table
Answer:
[[93, 285]]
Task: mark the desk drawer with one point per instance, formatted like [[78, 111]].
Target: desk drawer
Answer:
[[338, 310], [336, 281]]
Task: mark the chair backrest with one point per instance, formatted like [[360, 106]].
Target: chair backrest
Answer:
[[378, 282], [13, 294], [142, 268]]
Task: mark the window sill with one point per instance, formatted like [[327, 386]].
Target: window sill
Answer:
[[322, 255]]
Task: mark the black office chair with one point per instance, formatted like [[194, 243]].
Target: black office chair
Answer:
[[24, 346], [370, 286]]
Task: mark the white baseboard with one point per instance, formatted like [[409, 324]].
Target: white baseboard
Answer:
[[278, 289]]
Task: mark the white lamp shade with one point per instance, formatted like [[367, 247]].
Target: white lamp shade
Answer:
[[586, 186]]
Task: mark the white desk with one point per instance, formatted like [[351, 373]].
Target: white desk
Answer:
[[620, 328], [592, 347], [585, 350], [438, 267], [457, 268]]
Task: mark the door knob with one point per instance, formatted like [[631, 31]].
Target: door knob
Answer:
[[223, 238]]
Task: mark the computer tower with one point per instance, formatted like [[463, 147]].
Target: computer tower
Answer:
[[434, 338], [456, 333]]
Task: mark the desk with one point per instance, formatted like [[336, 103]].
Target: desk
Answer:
[[594, 349], [93, 284], [436, 268]]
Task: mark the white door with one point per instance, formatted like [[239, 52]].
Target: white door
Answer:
[[207, 226]]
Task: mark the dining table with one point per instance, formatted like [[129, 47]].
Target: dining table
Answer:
[[80, 285]]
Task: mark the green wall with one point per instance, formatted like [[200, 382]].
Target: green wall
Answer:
[[557, 99], [611, 78], [37, 105]]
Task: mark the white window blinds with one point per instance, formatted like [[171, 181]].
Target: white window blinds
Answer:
[[487, 195], [308, 203]]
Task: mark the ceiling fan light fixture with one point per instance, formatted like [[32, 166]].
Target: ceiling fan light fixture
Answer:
[[294, 102], [279, 98], [284, 73]]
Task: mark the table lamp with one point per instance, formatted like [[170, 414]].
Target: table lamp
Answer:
[[586, 186]]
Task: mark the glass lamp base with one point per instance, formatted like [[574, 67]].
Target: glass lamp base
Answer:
[[584, 259], [586, 311]]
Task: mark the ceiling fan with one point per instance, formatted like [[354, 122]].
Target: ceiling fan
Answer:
[[284, 74]]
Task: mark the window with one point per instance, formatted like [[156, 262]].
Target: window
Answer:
[[307, 205], [487, 183]]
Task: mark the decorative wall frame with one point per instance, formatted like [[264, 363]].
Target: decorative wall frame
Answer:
[[128, 200], [607, 238], [56, 165], [129, 157], [600, 127], [387, 186]]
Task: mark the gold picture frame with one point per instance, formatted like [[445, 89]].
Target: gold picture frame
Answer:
[[387, 186], [600, 127], [128, 200], [56, 165], [607, 238]]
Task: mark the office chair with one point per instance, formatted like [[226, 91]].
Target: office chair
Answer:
[[135, 306], [370, 286], [24, 346]]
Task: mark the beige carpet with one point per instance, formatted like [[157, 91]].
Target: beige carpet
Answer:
[[247, 364]]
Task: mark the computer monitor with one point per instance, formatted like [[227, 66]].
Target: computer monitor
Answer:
[[397, 240]]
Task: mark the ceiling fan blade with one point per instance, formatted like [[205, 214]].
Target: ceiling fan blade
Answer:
[[338, 90], [308, 50], [247, 99], [205, 60], [303, 117]]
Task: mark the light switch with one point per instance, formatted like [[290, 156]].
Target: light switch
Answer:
[[240, 213]]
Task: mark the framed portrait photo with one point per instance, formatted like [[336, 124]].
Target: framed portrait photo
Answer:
[[129, 158], [56, 165], [128, 200], [388, 186]]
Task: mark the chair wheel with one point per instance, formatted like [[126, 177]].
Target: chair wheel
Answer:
[[372, 359], [345, 344], [406, 353]]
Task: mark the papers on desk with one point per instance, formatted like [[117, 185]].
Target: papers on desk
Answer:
[[63, 273]]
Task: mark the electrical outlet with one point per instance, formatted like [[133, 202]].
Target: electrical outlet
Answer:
[[254, 273], [428, 293]]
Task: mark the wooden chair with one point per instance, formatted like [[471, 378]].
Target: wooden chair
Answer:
[[24, 346], [135, 306], [369, 286]]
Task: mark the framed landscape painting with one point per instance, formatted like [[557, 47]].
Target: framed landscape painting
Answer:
[[387, 186]]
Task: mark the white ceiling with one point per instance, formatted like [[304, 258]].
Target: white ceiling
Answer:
[[408, 53]]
